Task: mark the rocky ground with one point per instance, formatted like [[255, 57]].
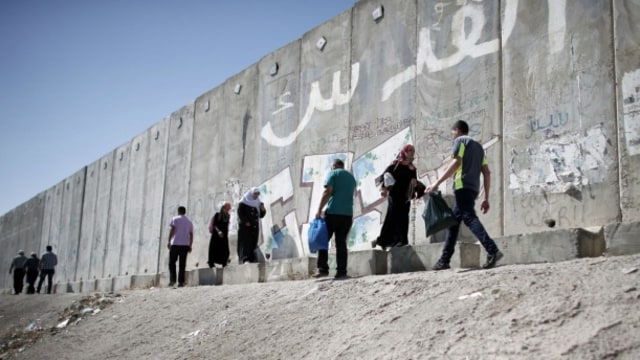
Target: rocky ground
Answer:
[[581, 309]]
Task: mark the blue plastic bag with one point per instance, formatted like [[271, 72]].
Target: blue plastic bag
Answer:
[[318, 236]]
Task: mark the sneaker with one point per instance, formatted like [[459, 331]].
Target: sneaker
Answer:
[[440, 266], [171, 283], [492, 260], [341, 277], [320, 274]]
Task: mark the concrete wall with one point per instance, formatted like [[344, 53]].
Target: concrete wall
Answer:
[[550, 89]]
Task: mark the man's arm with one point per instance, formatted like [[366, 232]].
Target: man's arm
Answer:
[[11, 267], [455, 164], [326, 195], [190, 240], [486, 178], [171, 233]]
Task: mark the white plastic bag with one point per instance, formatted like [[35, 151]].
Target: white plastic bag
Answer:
[[388, 180]]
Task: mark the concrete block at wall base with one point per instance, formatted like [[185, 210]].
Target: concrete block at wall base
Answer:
[[362, 263], [121, 283], [206, 276], [622, 238], [551, 246], [73, 287], [243, 274], [104, 285], [289, 269], [163, 278], [88, 286], [144, 281], [424, 257]]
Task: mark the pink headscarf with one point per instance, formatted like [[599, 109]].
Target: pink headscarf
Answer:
[[402, 157]]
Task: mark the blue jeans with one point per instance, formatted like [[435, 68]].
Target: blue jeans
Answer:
[[339, 225], [464, 212]]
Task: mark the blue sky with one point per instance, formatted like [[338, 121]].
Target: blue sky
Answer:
[[78, 78]]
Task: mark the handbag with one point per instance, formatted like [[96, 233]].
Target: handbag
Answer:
[[437, 214], [318, 236]]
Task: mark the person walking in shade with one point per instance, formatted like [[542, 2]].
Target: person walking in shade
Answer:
[[18, 269]]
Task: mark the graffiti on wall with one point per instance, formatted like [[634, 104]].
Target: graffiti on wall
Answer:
[[561, 164], [316, 102], [467, 24], [631, 110], [536, 208]]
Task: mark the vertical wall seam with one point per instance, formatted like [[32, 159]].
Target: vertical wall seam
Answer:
[[164, 191], [84, 190], [616, 105], [505, 183]]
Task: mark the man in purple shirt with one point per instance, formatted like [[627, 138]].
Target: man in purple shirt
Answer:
[[180, 242]]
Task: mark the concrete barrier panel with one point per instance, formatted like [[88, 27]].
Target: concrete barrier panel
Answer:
[[562, 162], [70, 287], [70, 224], [243, 274], [117, 209], [362, 263], [627, 52], [206, 276], [289, 269], [121, 283], [550, 246], [144, 281], [240, 101], [101, 217], [104, 285], [52, 230], [20, 229], [87, 228], [623, 238], [205, 171], [152, 221], [134, 204], [272, 158], [6, 279], [457, 82], [88, 286], [424, 257], [176, 187]]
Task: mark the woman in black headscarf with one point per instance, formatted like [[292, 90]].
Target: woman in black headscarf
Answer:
[[395, 228], [250, 211], [219, 243]]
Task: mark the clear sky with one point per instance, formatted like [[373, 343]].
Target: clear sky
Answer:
[[79, 78]]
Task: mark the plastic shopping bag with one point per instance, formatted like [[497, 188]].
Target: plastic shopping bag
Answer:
[[318, 236], [437, 215]]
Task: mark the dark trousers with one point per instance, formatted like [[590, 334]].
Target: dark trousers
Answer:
[[247, 243], [32, 277], [178, 253], [340, 225], [464, 211], [18, 280], [48, 273]]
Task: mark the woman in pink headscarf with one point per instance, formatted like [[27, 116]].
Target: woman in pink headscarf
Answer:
[[396, 222]]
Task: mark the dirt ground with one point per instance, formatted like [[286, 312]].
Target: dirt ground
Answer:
[[581, 309]]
